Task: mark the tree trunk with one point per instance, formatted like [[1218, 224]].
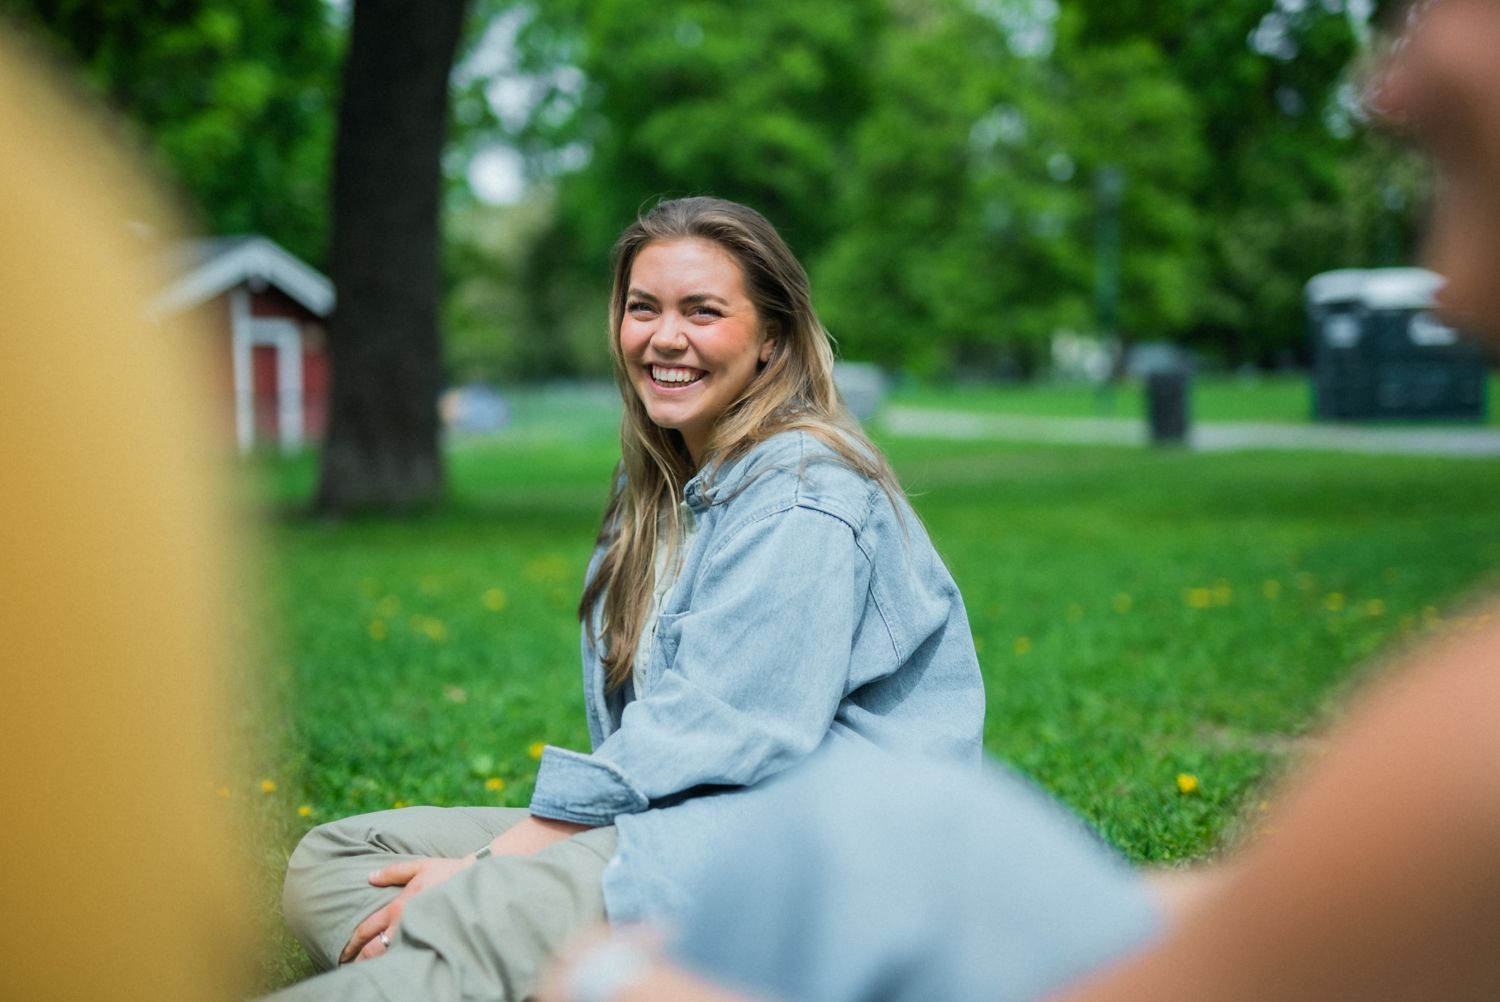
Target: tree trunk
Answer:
[[385, 345]]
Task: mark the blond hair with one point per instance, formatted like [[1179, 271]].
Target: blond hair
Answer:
[[793, 390]]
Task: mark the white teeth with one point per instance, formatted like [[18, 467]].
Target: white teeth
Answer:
[[662, 374]]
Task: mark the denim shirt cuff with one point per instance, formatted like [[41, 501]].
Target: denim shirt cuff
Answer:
[[582, 789]]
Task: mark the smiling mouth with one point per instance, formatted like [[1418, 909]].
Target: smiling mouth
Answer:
[[674, 376]]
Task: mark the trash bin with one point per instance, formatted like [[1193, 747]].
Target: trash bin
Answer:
[[1378, 352], [1167, 405]]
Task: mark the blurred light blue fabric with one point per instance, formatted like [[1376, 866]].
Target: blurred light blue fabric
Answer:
[[866, 878], [809, 605]]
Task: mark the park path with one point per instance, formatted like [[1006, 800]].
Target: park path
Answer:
[[1205, 436]]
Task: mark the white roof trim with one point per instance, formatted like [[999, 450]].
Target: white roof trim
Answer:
[[1376, 288], [256, 259]]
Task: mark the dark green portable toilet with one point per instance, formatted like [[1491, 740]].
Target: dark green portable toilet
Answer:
[[1378, 352]]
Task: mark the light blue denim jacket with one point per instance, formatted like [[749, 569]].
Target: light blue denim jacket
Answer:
[[979, 888], [809, 609]]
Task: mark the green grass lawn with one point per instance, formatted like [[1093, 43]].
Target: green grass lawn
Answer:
[[1139, 614], [1285, 398]]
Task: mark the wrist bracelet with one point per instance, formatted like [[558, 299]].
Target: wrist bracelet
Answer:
[[607, 970], [482, 852]]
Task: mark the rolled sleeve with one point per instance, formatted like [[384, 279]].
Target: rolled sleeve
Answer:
[[752, 673], [583, 789]]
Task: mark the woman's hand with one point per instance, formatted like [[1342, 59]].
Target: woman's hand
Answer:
[[528, 837], [412, 876]]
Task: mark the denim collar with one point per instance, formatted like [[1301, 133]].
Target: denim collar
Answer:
[[715, 481]]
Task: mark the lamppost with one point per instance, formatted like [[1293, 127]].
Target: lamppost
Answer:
[[1109, 189]]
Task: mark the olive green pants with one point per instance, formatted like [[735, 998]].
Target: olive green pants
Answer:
[[485, 933]]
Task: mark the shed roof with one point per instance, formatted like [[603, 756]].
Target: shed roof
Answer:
[[204, 269], [1376, 288]]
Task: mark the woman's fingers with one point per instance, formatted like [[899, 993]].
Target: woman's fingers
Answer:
[[366, 941], [377, 945], [411, 876], [362, 934], [397, 873]]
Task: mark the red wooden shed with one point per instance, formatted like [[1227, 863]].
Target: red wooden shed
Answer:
[[270, 307]]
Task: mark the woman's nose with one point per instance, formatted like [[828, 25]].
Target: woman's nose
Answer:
[[669, 334]]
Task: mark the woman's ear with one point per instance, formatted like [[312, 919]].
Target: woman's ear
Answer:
[[768, 346]]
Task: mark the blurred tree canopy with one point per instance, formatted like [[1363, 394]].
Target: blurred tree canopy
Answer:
[[937, 164], [234, 99]]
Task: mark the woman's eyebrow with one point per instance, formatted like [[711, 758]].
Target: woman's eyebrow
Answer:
[[691, 299], [694, 298]]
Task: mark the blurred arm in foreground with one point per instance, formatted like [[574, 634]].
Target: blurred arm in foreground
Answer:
[[124, 876]]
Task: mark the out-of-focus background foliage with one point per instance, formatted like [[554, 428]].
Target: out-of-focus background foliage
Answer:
[[942, 166]]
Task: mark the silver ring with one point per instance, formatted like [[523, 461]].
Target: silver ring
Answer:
[[385, 940]]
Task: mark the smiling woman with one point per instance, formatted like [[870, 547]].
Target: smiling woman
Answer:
[[760, 589], [690, 337]]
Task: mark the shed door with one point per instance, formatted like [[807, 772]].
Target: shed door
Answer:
[[264, 395]]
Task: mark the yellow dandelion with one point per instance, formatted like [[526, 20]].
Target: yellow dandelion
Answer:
[[494, 599], [1198, 598], [1187, 783], [400, 803], [377, 629], [431, 627], [305, 811], [1375, 607], [223, 791], [268, 786], [1334, 601], [1123, 602], [494, 784], [1271, 589], [389, 606], [1022, 646], [536, 749]]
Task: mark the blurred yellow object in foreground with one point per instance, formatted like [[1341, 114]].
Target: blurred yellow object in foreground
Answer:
[[122, 877]]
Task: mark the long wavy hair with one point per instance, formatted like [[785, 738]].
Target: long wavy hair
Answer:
[[794, 389]]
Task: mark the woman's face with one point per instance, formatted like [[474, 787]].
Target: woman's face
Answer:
[[691, 338]]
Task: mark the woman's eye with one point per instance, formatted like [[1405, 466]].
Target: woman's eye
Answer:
[[637, 307], [706, 311]]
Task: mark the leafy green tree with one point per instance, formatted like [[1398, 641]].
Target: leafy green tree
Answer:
[[1129, 113], [947, 201], [1289, 186], [753, 102], [968, 224], [233, 99]]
